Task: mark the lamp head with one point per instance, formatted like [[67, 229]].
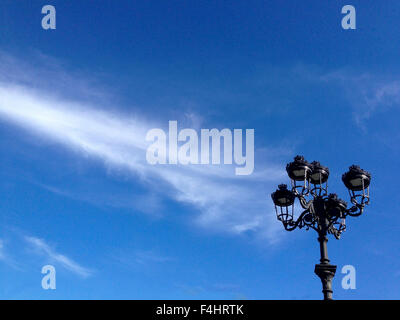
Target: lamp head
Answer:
[[319, 173], [299, 169], [356, 179], [283, 197]]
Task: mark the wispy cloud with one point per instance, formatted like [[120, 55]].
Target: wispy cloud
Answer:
[[145, 257], [2, 254], [223, 290], [6, 258], [223, 201], [367, 93], [140, 260], [42, 248]]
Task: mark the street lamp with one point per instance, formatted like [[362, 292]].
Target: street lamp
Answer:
[[323, 212]]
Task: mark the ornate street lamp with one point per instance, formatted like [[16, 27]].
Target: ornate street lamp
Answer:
[[323, 212]]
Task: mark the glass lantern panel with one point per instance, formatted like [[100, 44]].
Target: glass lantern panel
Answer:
[[299, 173], [316, 176], [356, 182], [283, 201]]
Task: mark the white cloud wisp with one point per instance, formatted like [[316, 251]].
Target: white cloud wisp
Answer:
[[54, 257], [223, 201]]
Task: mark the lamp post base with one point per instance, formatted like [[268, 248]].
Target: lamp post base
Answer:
[[326, 272]]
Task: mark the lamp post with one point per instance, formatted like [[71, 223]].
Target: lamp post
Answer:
[[323, 212]]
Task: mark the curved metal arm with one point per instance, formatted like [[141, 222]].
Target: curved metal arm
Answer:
[[337, 232], [302, 222], [292, 225], [355, 210], [303, 201]]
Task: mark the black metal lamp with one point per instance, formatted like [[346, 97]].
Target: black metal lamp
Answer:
[[324, 213], [335, 207], [299, 171], [319, 178], [284, 200], [356, 179], [357, 182]]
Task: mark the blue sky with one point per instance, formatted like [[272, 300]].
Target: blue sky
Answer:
[[76, 103]]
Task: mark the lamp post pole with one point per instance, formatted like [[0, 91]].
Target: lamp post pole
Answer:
[[324, 213], [324, 270]]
